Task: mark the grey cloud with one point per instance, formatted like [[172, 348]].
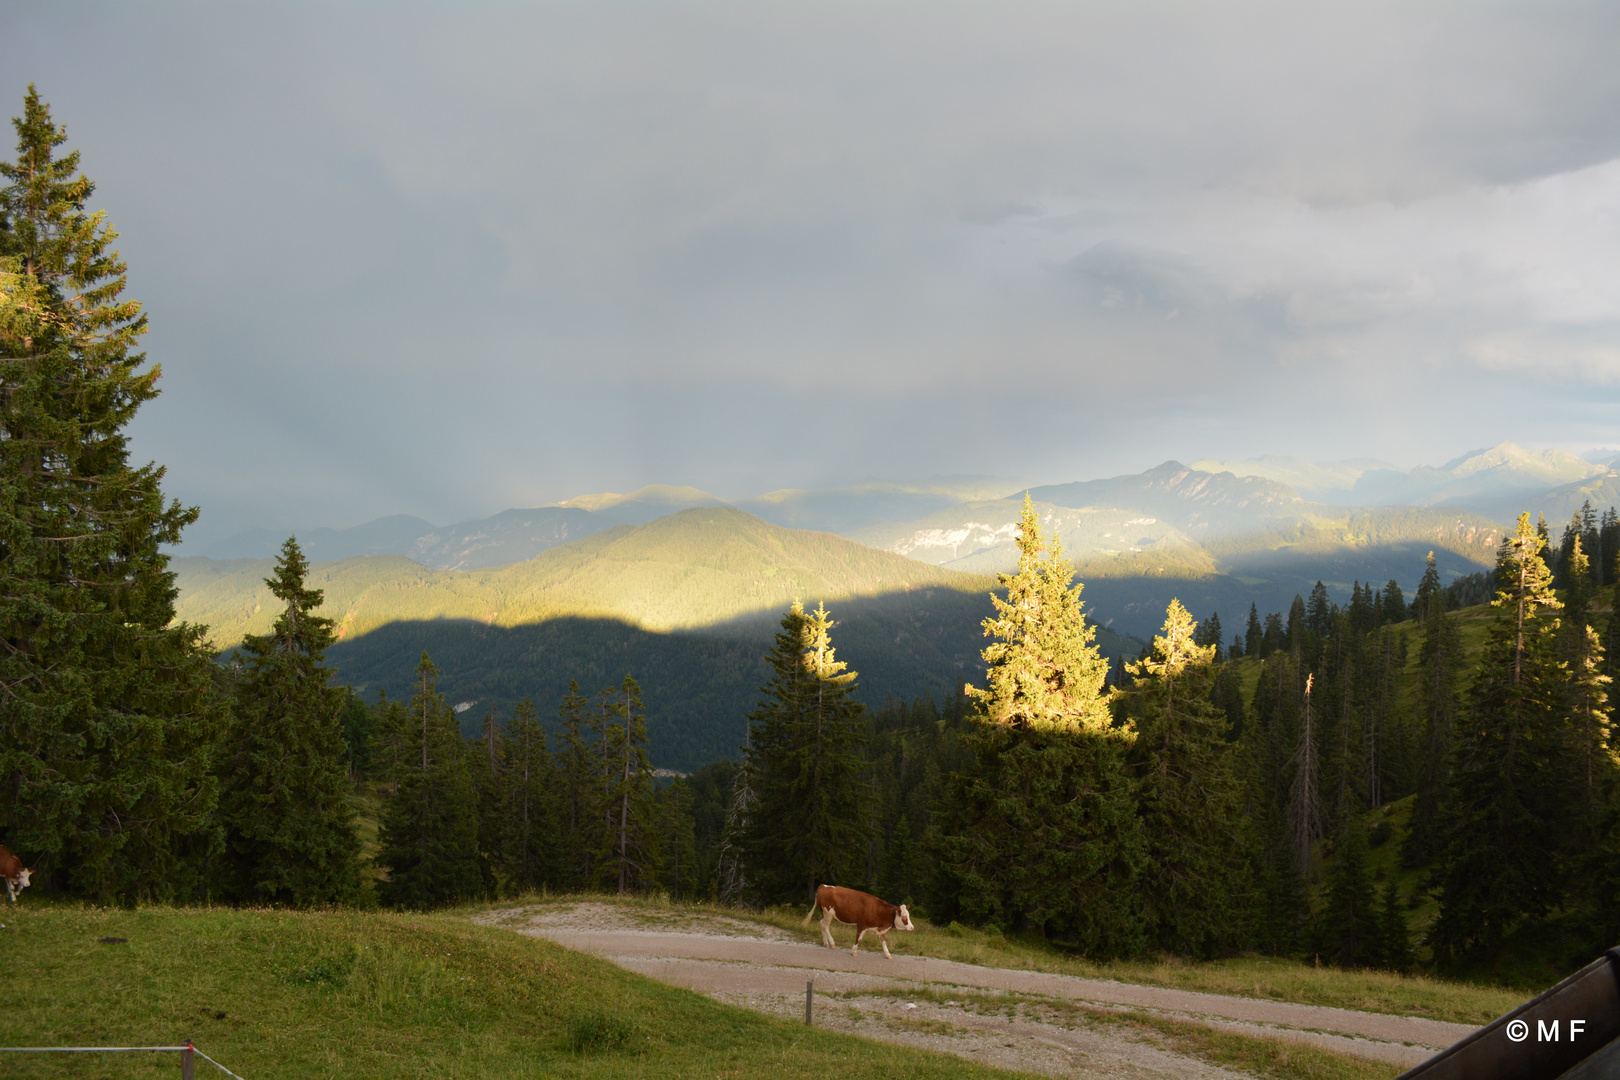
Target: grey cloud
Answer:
[[442, 260]]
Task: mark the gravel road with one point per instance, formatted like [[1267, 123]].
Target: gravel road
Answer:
[[765, 968]]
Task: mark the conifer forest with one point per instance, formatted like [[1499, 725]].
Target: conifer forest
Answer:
[[1216, 791]]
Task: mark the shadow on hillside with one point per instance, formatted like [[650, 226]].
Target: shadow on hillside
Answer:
[[698, 685]]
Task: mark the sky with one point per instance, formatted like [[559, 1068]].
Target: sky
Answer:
[[446, 259]]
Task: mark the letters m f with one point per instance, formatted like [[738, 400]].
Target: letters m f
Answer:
[[1543, 1031]]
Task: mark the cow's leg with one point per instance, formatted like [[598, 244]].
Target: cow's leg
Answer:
[[826, 928], [858, 938], [11, 890], [883, 936]]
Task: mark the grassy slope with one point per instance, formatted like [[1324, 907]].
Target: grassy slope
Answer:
[[283, 994]]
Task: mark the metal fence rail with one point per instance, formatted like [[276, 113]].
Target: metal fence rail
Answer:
[[186, 1052]]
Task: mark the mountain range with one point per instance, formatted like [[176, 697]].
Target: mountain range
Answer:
[[688, 603], [684, 589]]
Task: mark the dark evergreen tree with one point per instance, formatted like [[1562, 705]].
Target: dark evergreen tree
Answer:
[[357, 724], [1319, 612], [809, 825], [1607, 555], [1394, 603], [1235, 650], [1305, 791], [1395, 937], [284, 778], [487, 770], [1510, 812], [1587, 696], [1195, 884], [682, 875], [1435, 708], [1300, 639], [1253, 633], [1042, 829], [108, 725], [1275, 638], [429, 831], [1209, 635], [630, 859], [1227, 697], [580, 811], [531, 831], [1268, 744], [1351, 934]]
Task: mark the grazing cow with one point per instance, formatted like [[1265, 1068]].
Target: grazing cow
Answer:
[[863, 910], [16, 875]]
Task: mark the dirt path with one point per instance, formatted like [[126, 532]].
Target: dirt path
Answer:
[[766, 968]]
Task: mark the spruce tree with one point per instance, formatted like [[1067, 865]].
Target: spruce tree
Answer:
[[1395, 937], [809, 824], [429, 829], [1042, 829], [1607, 556], [630, 859], [488, 773], [1305, 790], [108, 725], [579, 809], [1436, 708], [284, 780], [1351, 934], [1189, 800], [1587, 695], [531, 833], [1394, 606], [1319, 612], [1511, 808], [1253, 633]]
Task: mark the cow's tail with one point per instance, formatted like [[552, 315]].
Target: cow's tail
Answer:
[[814, 907]]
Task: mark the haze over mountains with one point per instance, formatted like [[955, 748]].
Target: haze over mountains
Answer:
[[684, 589]]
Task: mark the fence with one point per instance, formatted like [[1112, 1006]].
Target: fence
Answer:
[[187, 1054]]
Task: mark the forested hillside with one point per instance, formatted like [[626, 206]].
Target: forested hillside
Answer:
[[687, 603]]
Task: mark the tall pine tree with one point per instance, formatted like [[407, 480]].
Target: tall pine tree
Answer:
[[1508, 820], [1042, 830], [430, 824], [107, 722], [531, 832], [630, 857], [808, 825], [284, 779], [1436, 707], [1190, 802]]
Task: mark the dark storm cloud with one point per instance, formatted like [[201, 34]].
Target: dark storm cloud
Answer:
[[443, 260]]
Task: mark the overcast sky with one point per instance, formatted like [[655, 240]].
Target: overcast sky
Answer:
[[447, 259]]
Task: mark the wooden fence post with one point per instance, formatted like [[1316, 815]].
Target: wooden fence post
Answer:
[[187, 1066], [809, 991]]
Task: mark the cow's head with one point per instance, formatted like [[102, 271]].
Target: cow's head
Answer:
[[22, 878], [902, 919]]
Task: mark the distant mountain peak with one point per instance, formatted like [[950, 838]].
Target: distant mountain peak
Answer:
[[650, 494], [1555, 466]]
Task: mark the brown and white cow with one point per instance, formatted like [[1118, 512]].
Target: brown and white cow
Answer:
[[16, 875], [862, 910]]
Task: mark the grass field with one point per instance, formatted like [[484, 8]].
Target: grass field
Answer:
[[275, 994], [1245, 976]]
